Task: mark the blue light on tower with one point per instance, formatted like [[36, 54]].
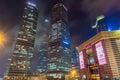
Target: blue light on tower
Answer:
[[66, 42], [109, 29], [46, 20], [31, 4]]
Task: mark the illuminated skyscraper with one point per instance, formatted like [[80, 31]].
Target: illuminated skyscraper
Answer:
[[42, 59], [24, 46], [59, 44], [75, 60]]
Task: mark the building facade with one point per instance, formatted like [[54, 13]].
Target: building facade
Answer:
[[59, 43], [75, 60], [99, 56], [42, 57], [24, 46]]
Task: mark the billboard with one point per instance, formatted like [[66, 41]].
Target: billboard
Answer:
[[100, 53], [81, 59]]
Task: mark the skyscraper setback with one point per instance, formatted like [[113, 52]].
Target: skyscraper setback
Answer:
[[24, 46], [59, 44]]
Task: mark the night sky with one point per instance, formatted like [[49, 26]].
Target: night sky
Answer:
[[82, 14]]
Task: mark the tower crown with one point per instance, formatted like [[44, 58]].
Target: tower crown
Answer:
[[59, 13]]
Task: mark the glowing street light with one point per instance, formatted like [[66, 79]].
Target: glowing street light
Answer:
[[2, 39], [73, 72]]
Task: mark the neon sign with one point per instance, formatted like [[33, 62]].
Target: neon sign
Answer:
[[81, 58], [100, 53]]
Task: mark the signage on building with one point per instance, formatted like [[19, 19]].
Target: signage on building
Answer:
[[81, 58], [88, 45], [100, 53]]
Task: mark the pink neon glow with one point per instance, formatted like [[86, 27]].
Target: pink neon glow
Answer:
[[81, 58], [100, 53]]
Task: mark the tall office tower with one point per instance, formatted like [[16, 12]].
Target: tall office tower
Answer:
[[42, 58], [24, 46], [59, 44], [75, 60]]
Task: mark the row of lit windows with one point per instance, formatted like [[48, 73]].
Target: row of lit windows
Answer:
[[55, 37], [22, 39], [30, 9], [53, 51], [25, 37], [22, 49], [29, 16], [52, 66], [22, 46], [26, 30], [54, 47], [28, 22]]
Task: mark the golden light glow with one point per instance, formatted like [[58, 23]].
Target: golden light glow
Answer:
[[2, 39], [73, 72]]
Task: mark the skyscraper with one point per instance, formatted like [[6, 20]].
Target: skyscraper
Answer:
[[75, 60], [42, 58], [24, 46], [59, 43]]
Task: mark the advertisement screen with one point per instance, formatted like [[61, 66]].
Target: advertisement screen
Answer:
[[91, 60], [81, 58], [100, 53]]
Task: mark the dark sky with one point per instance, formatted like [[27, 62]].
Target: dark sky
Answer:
[[82, 14], [10, 13]]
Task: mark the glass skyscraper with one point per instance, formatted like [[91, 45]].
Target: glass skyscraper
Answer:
[[59, 43], [75, 59], [24, 46], [42, 59]]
